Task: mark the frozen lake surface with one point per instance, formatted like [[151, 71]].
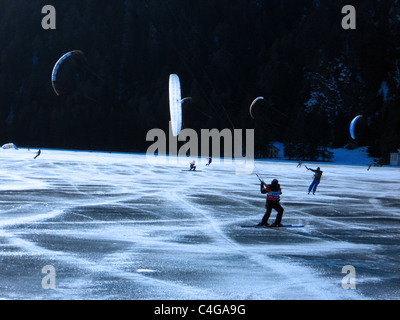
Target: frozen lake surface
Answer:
[[115, 226]]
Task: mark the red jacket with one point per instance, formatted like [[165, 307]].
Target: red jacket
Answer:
[[273, 191]]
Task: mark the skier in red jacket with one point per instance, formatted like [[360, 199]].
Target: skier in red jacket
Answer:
[[273, 192]]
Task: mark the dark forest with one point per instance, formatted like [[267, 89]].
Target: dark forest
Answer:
[[315, 76]]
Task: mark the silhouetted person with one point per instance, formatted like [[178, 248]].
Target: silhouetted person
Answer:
[[273, 192], [317, 179], [38, 154]]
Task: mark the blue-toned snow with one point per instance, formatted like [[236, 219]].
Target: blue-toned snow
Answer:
[[115, 226]]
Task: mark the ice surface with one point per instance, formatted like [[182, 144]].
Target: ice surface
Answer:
[[115, 226]]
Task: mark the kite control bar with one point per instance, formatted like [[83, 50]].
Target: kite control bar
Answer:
[[259, 178]]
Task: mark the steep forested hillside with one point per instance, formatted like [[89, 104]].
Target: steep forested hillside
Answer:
[[314, 75]]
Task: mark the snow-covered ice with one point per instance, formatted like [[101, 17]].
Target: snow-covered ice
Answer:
[[115, 226]]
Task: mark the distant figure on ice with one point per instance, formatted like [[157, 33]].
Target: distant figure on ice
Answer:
[[369, 166], [300, 163], [209, 161], [38, 154], [192, 166], [317, 178], [273, 192]]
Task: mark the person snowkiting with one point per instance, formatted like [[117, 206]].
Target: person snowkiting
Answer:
[[38, 154], [192, 166], [299, 164], [273, 192], [317, 179]]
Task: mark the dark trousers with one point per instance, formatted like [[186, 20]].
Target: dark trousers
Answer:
[[271, 204]]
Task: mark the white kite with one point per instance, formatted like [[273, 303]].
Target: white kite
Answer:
[[252, 105], [54, 74], [175, 104], [9, 146], [352, 126]]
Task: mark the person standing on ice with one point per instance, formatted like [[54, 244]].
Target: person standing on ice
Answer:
[[209, 161], [192, 166], [299, 164], [273, 192], [317, 179]]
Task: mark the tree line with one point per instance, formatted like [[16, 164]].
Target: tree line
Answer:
[[315, 76]]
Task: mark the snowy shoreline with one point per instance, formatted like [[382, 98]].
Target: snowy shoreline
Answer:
[[341, 156]]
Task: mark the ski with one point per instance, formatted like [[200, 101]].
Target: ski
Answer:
[[271, 227]]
